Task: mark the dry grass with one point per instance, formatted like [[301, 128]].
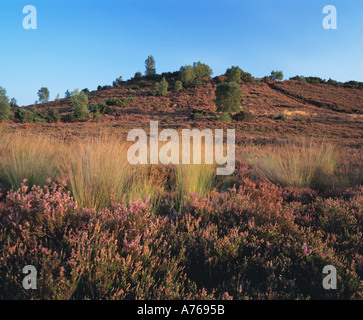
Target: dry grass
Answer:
[[304, 164], [26, 156]]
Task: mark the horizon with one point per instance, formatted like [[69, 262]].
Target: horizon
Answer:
[[86, 44]]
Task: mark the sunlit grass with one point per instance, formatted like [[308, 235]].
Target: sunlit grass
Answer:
[[298, 164], [27, 156]]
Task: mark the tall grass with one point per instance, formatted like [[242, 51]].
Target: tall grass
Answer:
[[304, 164], [26, 156]]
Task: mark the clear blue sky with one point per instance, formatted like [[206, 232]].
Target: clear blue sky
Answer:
[[81, 43]]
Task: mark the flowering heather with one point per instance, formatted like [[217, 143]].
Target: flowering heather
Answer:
[[253, 241]]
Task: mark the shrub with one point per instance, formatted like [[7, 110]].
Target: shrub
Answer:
[[123, 103], [24, 115], [225, 117], [43, 95], [194, 84], [4, 105], [79, 106], [138, 76], [43, 115], [101, 108], [243, 115], [198, 114], [178, 85], [67, 94], [86, 91], [162, 87], [118, 82], [13, 103], [150, 69], [202, 70], [187, 74], [52, 116], [234, 74], [228, 97], [246, 77], [276, 75], [280, 116]]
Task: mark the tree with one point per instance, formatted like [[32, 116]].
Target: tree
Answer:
[[162, 87], [234, 74], [202, 70], [150, 66], [13, 102], [117, 82], [187, 74], [79, 103], [67, 94], [228, 97], [138, 75], [276, 75], [4, 105], [178, 85], [57, 98], [43, 95]]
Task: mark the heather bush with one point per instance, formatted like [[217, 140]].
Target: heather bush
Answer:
[[228, 97], [244, 243]]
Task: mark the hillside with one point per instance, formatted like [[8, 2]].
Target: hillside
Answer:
[[318, 110]]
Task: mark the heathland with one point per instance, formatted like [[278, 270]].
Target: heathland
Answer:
[[97, 227]]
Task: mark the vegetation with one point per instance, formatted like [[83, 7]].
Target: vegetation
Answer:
[[243, 115], [202, 70], [118, 82], [43, 95], [79, 106], [37, 115], [123, 102], [228, 97], [176, 232], [4, 105], [277, 75], [13, 103], [161, 87], [225, 117], [178, 85], [150, 69], [234, 74], [189, 73]]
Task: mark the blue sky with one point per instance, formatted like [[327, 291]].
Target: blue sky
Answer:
[[83, 44]]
